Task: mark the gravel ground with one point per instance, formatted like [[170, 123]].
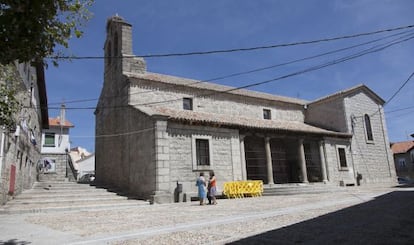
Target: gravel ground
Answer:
[[358, 216]]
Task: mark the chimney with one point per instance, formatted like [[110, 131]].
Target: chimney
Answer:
[[62, 114]]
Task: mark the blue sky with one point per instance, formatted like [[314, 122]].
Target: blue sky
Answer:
[[188, 25]]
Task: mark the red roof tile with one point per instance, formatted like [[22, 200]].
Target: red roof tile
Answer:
[[55, 122], [402, 147], [237, 121]]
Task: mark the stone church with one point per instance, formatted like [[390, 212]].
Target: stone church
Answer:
[[154, 131]]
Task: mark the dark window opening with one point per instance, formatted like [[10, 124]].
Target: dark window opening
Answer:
[[202, 152], [267, 114], [342, 158], [188, 104], [368, 127], [116, 45]]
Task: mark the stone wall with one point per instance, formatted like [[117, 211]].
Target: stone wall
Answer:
[[21, 149], [59, 174], [147, 92], [329, 115], [18, 153], [226, 160], [112, 166], [336, 174], [140, 150], [372, 159]]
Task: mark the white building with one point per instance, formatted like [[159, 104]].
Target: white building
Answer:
[[56, 164], [86, 165]]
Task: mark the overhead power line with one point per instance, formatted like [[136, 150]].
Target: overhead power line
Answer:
[[400, 109], [373, 49], [241, 49], [399, 89], [114, 135], [395, 94], [260, 69]]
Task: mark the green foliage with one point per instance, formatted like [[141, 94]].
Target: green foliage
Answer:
[[9, 105], [35, 29]]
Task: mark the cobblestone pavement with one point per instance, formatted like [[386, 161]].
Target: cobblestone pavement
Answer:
[[357, 216]]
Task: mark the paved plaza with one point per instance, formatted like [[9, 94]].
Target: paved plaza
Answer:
[[356, 216]]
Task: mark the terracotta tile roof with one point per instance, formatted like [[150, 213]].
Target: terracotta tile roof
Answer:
[[212, 86], [402, 147], [237, 121], [55, 122]]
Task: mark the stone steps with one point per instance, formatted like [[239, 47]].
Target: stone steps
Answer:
[[300, 188], [66, 196], [59, 194], [71, 207]]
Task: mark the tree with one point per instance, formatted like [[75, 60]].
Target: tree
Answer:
[[9, 105], [35, 29]]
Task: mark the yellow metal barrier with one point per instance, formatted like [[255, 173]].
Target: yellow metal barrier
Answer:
[[240, 189]]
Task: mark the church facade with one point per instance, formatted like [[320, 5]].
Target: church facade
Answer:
[[154, 131]]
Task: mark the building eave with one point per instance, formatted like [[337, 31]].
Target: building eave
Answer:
[[221, 120], [41, 84]]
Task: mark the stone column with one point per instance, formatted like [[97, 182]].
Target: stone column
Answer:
[[323, 162], [302, 162], [269, 162], [243, 158], [162, 192]]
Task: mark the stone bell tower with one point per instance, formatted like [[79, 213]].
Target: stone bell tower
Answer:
[[119, 57]]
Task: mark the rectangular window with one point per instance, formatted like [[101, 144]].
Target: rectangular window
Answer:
[[267, 114], [368, 127], [49, 139], [202, 152], [188, 104], [342, 158]]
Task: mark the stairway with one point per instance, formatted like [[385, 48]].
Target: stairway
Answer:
[[299, 188], [66, 196]]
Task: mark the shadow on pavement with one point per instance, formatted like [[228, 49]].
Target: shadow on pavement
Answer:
[[388, 219], [13, 242]]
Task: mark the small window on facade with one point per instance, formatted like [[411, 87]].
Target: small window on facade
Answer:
[[188, 104], [342, 158], [49, 139], [202, 152], [368, 127], [267, 114]]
